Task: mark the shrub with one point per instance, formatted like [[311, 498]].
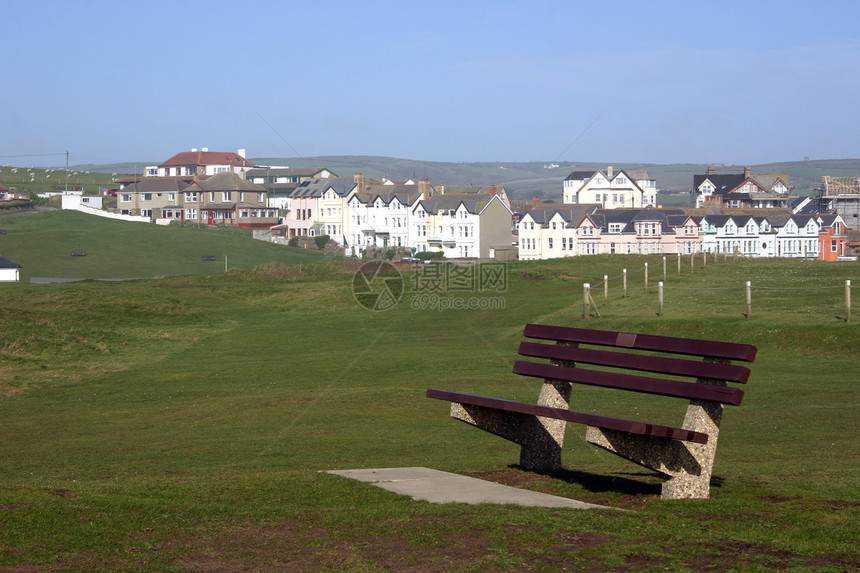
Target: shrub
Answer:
[[321, 241]]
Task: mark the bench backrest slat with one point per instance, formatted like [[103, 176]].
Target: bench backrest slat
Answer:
[[642, 362], [669, 344], [645, 384]]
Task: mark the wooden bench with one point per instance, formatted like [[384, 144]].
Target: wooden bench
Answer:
[[207, 257], [698, 370]]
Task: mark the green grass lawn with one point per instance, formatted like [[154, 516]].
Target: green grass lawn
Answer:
[[42, 242], [182, 423]]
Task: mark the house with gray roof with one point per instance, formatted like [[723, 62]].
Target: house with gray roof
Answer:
[[553, 232], [610, 188], [280, 182], [462, 226], [736, 190], [9, 270], [228, 199]]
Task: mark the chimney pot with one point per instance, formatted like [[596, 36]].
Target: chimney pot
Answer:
[[609, 172], [747, 171]]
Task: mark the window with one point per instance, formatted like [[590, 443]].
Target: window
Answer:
[[191, 197], [125, 198], [549, 242], [171, 196], [615, 227], [147, 196], [621, 180], [833, 245], [226, 196]]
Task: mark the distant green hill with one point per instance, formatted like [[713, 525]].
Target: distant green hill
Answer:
[[42, 243], [524, 180]]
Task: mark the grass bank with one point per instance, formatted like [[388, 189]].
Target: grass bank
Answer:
[[181, 424]]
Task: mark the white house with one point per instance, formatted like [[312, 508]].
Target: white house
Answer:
[[626, 188], [763, 236], [9, 271], [736, 190], [196, 163], [462, 226]]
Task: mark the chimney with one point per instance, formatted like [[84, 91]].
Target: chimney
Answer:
[[746, 172], [492, 190], [241, 153], [712, 169], [424, 188], [205, 149], [359, 182], [609, 172], [535, 202], [193, 149]]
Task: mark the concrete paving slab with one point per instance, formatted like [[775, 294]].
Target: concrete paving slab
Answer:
[[443, 487]]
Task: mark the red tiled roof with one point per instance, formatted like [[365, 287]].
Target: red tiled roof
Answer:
[[208, 158]]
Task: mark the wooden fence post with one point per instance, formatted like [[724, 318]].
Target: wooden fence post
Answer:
[[660, 298], [679, 264], [692, 262], [749, 299], [605, 288], [646, 277], [585, 296], [848, 301], [664, 269], [624, 281]]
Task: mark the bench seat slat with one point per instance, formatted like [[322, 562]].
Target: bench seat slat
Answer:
[[670, 344], [646, 363], [645, 384], [604, 422]]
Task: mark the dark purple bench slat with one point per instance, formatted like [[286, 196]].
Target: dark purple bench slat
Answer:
[[604, 422], [645, 363], [670, 344], [645, 384]]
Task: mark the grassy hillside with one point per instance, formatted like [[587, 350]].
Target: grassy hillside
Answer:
[[182, 424], [24, 179], [42, 243]]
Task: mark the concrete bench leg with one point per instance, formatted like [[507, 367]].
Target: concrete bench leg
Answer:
[[687, 465], [541, 439]]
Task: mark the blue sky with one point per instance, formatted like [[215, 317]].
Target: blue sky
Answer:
[[628, 81]]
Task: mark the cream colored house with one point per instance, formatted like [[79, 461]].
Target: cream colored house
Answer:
[[625, 188]]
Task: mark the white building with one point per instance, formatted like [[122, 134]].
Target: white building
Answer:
[[195, 163], [9, 271], [626, 188]]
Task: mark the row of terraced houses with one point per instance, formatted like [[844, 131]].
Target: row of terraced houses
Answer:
[[615, 211], [604, 211], [217, 188]]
